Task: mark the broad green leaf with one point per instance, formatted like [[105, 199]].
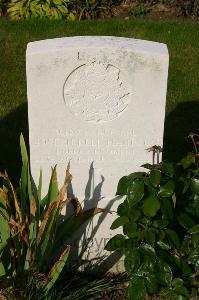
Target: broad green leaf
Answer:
[[57, 2], [123, 208], [71, 17], [181, 291], [165, 275], [2, 270], [148, 267], [167, 293], [173, 238], [185, 269], [147, 250], [151, 283], [194, 257], [155, 177], [117, 242], [187, 161], [135, 192], [123, 186], [151, 205], [177, 282], [194, 229], [130, 229], [163, 245], [185, 182], [167, 168], [185, 221], [195, 186], [132, 260], [136, 175], [63, 9], [126, 180], [166, 207], [119, 222], [136, 289], [148, 166], [167, 190], [162, 223], [150, 236]]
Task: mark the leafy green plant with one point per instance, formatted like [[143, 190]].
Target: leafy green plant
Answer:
[[33, 240], [52, 9], [90, 9], [160, 237], [140, 10]]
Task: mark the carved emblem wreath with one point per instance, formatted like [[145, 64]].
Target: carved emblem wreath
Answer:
[[95, 92]]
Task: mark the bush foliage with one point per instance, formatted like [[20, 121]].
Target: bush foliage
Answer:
[[160, 220], [52, 9], [184, 7], [88, 9]]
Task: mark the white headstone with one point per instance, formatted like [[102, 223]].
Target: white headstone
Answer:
[[100, 102]]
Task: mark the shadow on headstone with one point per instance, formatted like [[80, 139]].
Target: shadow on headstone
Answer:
[[11, 127], [183, 120], [85, 237]]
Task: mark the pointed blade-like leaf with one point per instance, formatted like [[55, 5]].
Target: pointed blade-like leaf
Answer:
[[53, 187]]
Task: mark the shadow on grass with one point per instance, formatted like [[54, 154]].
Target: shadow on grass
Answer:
[[183, 120], [10, 129]]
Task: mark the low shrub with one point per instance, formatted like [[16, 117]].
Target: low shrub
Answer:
[[58, 9], [185, 7], [160, 220], [51, 9]]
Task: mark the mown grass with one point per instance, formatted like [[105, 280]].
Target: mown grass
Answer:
[[182, 108]]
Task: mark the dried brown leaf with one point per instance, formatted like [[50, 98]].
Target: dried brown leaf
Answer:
[[90, 213], [76, 205], [44, 221], [25, 236], [5, 200], [33, 207], [54, 173], [12, 191], [67, 180]]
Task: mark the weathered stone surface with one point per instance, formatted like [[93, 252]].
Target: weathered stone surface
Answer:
[[100, 102]]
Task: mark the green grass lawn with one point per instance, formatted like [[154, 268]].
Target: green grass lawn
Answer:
[[182, 109]]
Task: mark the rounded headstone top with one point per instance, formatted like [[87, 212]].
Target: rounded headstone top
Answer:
[[59, 44]]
